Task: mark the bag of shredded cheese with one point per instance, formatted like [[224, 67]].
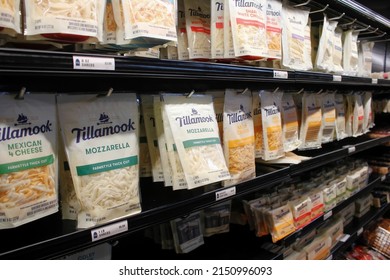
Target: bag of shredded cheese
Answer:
[[109, 24], [198, 28], [328, 117], [337, 51], [151, 137], [218, 101], [228, 46], [324, 59], [311, 127], [162, 144], [349, 110], [10, 17], [271, 103], [308, 47], [350, 53], [103, 153], [358, 115], [294, 22], [217, 29], [248, 20], [145, 163], [66, 21], [28, 159], [238, 137], [258, 126], [196, 138], [365, 58], [368, 113], [182, 38], [340, 116], [290, 123], [274, 29]]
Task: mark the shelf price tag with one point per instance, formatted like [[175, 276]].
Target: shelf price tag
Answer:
[[336, 78], [344, 238], [359, 232], [383, 178], [225, 193], [280, 74], [328, 214], [93, 63], [109, 230], [351, 149], [374, 81]]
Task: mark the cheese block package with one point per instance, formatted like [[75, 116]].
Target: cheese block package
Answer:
[[109, 24], [216, 219], [238, 136], [217, 29], [66, 21], [28, 159], [103, 153], [10, 17], [198, 28], [196, 138], [248, 21]]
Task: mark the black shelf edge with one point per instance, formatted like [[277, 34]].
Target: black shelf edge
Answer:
[[355, 145]]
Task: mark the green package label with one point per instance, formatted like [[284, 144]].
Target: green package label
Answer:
[[201, 142], [26, 164], [106, 165]]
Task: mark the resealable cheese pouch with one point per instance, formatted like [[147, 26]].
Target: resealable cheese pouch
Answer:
[[328, 117], [294, 22], [368, 112], [324, 59], [102, 145], [350, 53], [340, 105], [70, 21], [196, 138], [217, 29], [198, 20], [290, 123], [109, 24], [365, 58], [308, 46], [182, 38], [10, 17], [151, 137], [145, 163], [338, 51], [248, 22], [28, 159], [258, 126], [238, 136], [271, 103], [311, 124], [274, 29], [228, 46]]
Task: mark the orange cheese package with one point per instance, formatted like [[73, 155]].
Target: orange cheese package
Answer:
[[28, 159], [328, 117], [290, 123], [10, 17], [274, 29], [102, 147], [258, 126], [311, 122], [238, 136], [280, 222]]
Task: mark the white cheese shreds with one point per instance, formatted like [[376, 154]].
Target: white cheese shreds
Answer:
[[198, 20], [72, 20], [28, 159], [216, 219], [338, 51], [217, 29], [238, 136], [196, 138], [248, 21], [294, 22], [162, 144], [340, 105], [311, 126], [145, 164], [187, 233], [152, 20], [10, 17], [328, 117], [365, 58], [258, 126], [274, 29], [103, 153], [271, 103], [151, 136], [290, 123], [324, 59], [228, 46], [350, 53], [182, 38]]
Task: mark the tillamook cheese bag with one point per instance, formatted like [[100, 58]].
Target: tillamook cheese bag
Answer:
[[10, 17], [368, 114], [350, 53], [238, 136], [248, 20], [258, 126], [103, 153], [69, 21], [274, 29], [198, 28], [328, 117], [340, 117], [28, 159], [324, 59], [182, 38], [145, 164], [217, 29], [290, 123], [311, 125], [228, 46], [197, 139], [338, 51]]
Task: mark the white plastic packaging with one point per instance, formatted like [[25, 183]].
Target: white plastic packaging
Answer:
[[217, 29]]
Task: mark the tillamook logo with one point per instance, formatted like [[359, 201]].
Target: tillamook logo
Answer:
[[194, 118], [271, 110], [271, 12], [90, 132], [248, 4], [288, 106], [240, 116], [198, 13], [219, 6], [8, 133]]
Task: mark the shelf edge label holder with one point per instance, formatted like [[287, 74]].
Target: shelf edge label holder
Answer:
[[327, 215], [225, 193], [374, 81], [93, 63], [110, 230], [337, 78], [280, 74]]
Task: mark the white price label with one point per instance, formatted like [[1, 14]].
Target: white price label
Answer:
[[359, 232], [280, 74], [110, 230], [336, 78], [344, 238], [225, 193], [351, 149], [374, 81], [330, 257], [327, 215], [93, 63], [383, 178]]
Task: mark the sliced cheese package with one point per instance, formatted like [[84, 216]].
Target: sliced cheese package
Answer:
[[274, 29], [217, 29], [340, 105], [249, 207], [198, 22], [319, 249], [248, 21], [145, 163], [196, 138], [10, 17], [182, 38], [258, 126], [103, 153], [301, 211], [238, 136], [350, 53], [290, 123], [70, 21], [151, 137], [271, 103], [280, 222], [311, 124], [162, 144], [328, 117], [294, 22], [28, 159]]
